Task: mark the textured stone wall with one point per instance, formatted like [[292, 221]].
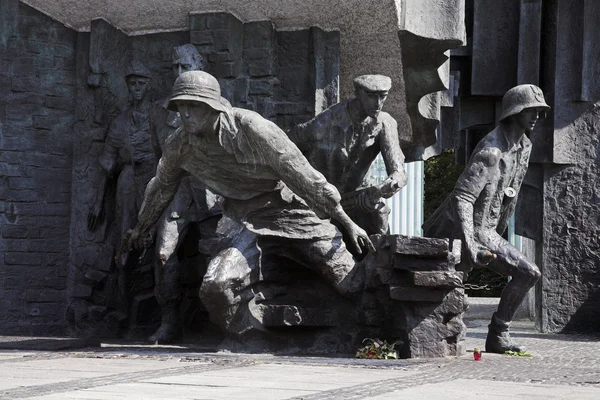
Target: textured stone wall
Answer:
[[403, 39], [37, 101], [369, 40], [570, 288], [286, 76], [104, 300], [554, 44]]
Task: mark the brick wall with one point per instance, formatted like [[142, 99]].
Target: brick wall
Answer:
[[37, 96], [275, 73], [98, 290], [55, 275]]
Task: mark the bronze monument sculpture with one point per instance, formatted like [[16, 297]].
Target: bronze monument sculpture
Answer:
[[280, 275], [342, 143], [483, 200], [259, 172], [127, 157], [192, 203]]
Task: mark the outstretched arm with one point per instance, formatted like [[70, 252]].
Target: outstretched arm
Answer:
[[468, 189], [278, 151], [157, 197], [393, 158]]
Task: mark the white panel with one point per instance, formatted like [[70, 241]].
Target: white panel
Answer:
[[406, 217], [513, 238]]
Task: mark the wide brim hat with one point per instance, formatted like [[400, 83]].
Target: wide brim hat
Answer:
[[197, 86], [521, 97]]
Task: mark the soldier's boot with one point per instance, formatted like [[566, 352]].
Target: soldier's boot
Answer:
[[498, 339], [171, 327]]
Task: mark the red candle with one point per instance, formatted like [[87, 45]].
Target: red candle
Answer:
[[476, 354]]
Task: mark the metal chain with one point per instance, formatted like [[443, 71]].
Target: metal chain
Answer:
[[489, 288]]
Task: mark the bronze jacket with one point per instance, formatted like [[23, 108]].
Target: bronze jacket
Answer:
[[343, 151], [492, 169]]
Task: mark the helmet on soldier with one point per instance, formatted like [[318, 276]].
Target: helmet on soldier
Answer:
[[197, 86], [521, 97]]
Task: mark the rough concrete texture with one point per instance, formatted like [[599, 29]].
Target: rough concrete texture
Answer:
[[558, 205], [570, 287], [427, 30], [435, 19], [495, 33], [369, 30], [570, 293], [369, 38]]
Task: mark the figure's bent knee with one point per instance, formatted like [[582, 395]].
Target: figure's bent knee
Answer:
[[161, 258], [223, 267], [536, 274], [529, 272], [165, 251]]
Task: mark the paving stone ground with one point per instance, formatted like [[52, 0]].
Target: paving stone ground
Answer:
[[562, 367]]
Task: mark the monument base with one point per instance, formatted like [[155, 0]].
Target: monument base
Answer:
[[413, 294]]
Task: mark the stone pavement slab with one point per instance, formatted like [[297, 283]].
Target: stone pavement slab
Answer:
[[234, 380], [562, 366], [57, 370], [256, 381], [467, 389], [28, 378], [291, 376], [152, 392]]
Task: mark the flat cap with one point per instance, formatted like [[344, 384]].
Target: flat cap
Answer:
[[135, 67], [373, 83]]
